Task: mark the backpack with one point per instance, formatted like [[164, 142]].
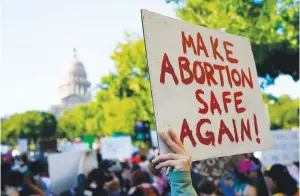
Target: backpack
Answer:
[[148, 191]]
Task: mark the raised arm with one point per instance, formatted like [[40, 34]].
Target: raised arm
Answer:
[[179, 163]]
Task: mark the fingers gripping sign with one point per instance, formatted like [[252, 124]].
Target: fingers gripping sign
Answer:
[[180, 160]]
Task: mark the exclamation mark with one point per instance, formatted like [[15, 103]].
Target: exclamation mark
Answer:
[[256, 129]]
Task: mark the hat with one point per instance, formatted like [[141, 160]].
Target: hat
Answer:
[[247, 166]]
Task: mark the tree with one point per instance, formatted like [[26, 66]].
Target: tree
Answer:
[[125, 97], [271, 25], [33, 125], [283, 112]]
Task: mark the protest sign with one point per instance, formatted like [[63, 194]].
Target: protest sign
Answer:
[[286, 148], [75, 147], [23, 145], [4, 149], [64, 167], [154, 139], [219, 167], [204, 86], [89, 140], [116, 147]]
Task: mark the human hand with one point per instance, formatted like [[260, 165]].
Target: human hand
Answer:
[[180, 160]]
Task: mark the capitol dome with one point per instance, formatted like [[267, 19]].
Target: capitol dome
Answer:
[[74, 79]]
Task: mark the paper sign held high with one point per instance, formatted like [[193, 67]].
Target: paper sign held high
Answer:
[[204, 86]]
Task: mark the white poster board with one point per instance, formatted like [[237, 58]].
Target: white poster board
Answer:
[[114, 148], [64, 168], [204, 86], [23, 145], [154, 139], [4, 149], [75, 147], [286, 148]]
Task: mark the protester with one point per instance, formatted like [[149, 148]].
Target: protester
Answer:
[[207, 187], [257, 175], [144, 164], [227, 185], [243, 182], [179, 162], [158, 179], [116, 178], [285, 184], [140, 185]]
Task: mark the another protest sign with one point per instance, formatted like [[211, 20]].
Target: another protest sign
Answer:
[[5, 149], [75, 147], [154, 141], [64, 167], [221, 167], [116, 148], [286, 148], [23, 145], [89, 140], [204, 86]]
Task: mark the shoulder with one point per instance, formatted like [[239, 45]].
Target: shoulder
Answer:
[[250, 190]]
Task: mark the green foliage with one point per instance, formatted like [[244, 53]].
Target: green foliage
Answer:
[[283, 112], [33, 125], [124, 97], [271, 25]]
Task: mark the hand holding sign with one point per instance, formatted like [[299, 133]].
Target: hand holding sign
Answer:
[[180, 160]]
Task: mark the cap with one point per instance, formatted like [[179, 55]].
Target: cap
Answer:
[[247, 166]]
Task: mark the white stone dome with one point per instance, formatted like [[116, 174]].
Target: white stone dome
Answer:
[[75, 72]]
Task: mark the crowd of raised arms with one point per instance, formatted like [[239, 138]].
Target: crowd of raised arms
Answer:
[[168, 174]]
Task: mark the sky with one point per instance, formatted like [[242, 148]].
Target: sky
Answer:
[[38, 37]]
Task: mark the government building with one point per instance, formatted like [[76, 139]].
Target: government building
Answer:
[[73, 90]]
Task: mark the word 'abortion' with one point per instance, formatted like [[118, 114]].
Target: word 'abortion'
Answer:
[[202, 72]]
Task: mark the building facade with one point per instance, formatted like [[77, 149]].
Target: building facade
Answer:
[[73, 89]]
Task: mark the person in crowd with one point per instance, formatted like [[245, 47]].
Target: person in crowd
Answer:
[[284, 182], [269, 183], [178, 162], [195, 174], [93, 184], [243, 182], [227, 185], [17, 186], [126, 176], [140, 185], [5, 169], [113, 186], [257, 175], [36, 169], [144, 164], [159, 180], [206, 188]]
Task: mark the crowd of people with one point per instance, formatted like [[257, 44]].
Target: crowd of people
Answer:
[[167, 174]]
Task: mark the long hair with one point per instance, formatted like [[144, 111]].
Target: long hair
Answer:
[[284, 181], [139, 177]]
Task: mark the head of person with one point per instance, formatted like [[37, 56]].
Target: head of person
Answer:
[[96, 179], [283, 181], [5, 170], [153, 171], [24, 159], [228, 179], [206, 188], [36, 167], [15, 179], [143, 158], [249, 155], [248, 167], [139, 177]]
